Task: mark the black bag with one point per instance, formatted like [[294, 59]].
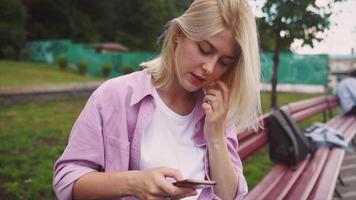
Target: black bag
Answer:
[[288, 144]]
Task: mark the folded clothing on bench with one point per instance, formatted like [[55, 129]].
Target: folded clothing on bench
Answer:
[[322, 135]]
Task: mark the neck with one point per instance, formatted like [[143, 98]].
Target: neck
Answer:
[[177, 98]]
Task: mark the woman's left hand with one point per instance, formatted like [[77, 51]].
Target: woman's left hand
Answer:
[[216, 103]]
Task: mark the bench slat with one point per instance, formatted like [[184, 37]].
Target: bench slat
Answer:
[[306, 182], [310, 175], [304, 104], [249, 133], [324, 189], [267, 184], [252, 144], [310, 112], [274, 177], [286, 183]]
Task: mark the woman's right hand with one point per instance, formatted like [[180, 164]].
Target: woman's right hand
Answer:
[[152, 184]]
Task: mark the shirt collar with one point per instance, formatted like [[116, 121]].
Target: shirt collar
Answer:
[[143, 88]]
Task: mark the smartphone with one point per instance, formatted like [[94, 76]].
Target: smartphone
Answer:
[[194, 183]]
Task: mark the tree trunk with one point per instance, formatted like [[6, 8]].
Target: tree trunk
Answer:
[[274, 79]]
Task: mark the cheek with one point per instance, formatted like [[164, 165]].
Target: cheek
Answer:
[[220, 71], [188, 56]]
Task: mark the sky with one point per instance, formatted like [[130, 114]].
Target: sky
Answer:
[[341, 36]]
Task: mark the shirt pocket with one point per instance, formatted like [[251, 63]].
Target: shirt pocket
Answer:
[[117, 154]]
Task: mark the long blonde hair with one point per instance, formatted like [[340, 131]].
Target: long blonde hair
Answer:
[[204, 19]]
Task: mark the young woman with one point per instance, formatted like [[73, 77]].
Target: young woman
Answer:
[[176, 119]]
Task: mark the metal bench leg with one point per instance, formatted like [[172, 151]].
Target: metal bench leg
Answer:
[[338, 194], [324, 117], [341, 181]]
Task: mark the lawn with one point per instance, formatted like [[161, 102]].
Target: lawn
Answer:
[[32, 136], [19, 74]]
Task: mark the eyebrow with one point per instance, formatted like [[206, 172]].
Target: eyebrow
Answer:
[[214, 48]]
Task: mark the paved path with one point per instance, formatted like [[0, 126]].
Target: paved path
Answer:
[[46, 93]]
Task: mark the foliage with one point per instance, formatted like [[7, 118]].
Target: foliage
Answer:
[[106, 69], [82, 67], [285, 21], [127, 68], [40, 75], [12, 23], [25, 54], [134, 23], [63, 62], [8, 52]]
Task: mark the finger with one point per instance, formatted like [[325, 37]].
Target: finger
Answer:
[[225, 91], [170, 172], [208, 109], [214, 102], [169, 190], [209, 86], [217, 93]]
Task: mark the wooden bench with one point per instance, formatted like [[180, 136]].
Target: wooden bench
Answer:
[[316, 176]]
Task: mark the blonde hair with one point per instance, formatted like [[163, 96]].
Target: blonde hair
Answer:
[[204, 19]]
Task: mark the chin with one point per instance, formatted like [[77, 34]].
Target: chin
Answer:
[[191, 88]]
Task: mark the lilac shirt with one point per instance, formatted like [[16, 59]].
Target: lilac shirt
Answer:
[[346, 92], [107, 135]]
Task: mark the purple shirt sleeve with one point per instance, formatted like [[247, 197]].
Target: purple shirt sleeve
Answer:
[[85, 139]]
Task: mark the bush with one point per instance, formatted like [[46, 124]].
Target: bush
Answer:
[[106, 69], [8, 52], [63, 62], [25, 54], [127, 68], [82, 67]]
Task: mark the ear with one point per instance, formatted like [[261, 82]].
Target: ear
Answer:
[[178, 36]]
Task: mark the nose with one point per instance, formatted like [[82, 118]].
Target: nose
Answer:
[[209, 66]]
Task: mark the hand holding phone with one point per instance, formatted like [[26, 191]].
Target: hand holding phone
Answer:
[[194, 183]]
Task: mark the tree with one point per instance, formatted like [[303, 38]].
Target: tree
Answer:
[[140, 22], [135, 23], [287, 20], [12, 24]]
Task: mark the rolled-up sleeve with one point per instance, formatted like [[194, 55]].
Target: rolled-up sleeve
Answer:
[[84, 152], [232, 144]]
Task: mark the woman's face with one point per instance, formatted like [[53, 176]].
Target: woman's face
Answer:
[[202, 62]]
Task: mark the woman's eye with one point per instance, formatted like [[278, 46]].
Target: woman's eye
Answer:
[[226, 61], [223, 63], [203, 50]]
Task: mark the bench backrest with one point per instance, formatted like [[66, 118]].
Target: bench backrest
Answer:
[[250, 141]]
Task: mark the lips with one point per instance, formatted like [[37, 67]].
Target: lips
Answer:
[[196, 80]]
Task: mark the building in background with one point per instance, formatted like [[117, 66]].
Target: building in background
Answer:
[[111, 47]]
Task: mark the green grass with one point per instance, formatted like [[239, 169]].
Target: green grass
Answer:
[[33, 136], [24, 74]]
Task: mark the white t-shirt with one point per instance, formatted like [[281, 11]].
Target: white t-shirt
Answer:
[[167, 143]]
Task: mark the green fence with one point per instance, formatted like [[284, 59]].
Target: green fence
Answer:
[[48, 51], [293, 69], [297, 69]]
